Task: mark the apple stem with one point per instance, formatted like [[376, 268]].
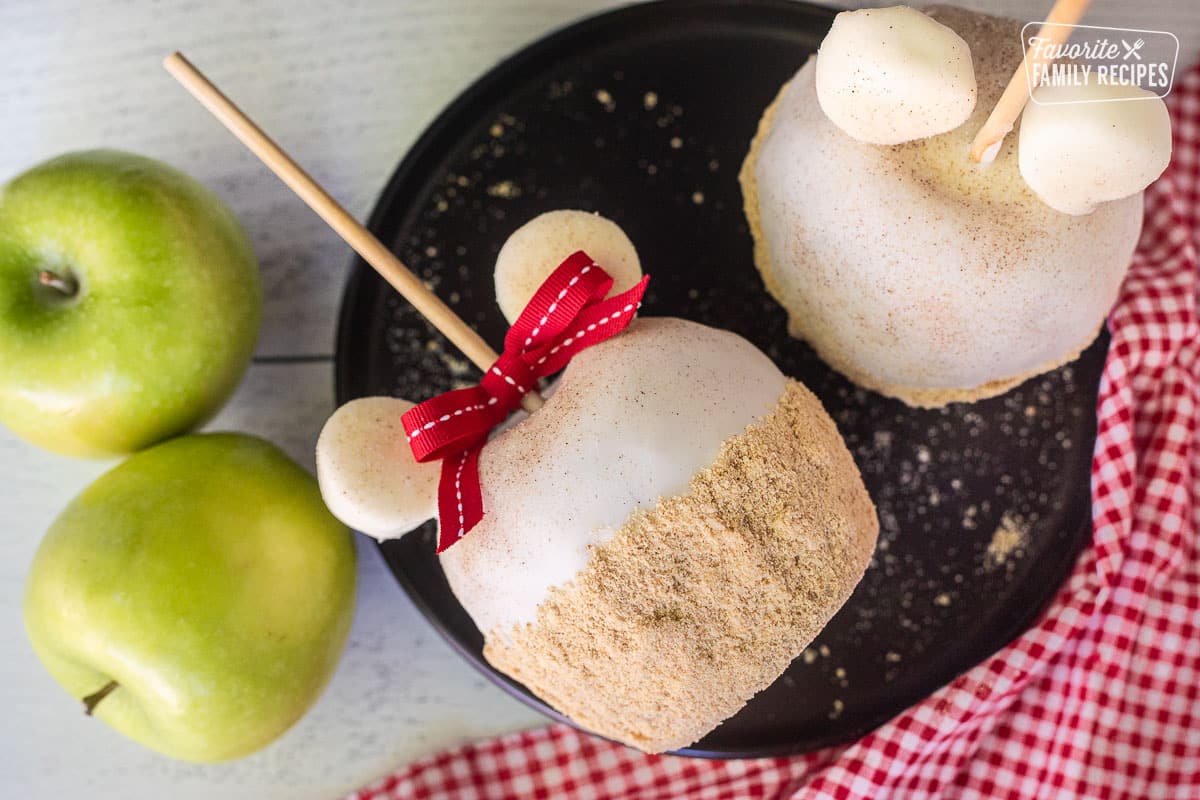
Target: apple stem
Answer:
[[64, 284], [92, 700]]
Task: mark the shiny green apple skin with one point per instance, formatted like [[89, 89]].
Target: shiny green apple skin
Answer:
[[207, 578], [165, 319]]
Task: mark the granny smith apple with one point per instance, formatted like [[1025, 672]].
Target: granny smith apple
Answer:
[[197, 596], [129, 303]]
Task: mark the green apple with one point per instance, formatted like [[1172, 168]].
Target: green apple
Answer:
[[129, 303], [197, 596]]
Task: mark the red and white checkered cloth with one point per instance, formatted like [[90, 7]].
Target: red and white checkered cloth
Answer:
[[1099, 699]]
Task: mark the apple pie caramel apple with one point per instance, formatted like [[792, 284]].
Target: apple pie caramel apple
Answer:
[[646, 549], [912, 269], [659, 540]]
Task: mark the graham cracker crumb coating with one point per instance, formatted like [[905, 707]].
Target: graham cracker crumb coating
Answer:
[[700, 602]]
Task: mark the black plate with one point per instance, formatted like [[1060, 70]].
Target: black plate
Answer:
[[645, 114]]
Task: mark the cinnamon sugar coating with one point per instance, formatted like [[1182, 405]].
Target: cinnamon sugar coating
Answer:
[[910, 269]]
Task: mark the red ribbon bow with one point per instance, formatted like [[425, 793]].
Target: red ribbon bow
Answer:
[[568, 313]]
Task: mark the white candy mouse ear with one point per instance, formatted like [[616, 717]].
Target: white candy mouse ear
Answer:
[[1081, 146], [891, 75], [536, 248], [368, 475]]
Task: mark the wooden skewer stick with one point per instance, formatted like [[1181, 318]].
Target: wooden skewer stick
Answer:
[[383, 260], [1016, 94]]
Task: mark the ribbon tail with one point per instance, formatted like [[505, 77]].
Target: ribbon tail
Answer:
[[576, 283], [591, 326], [460, 497]]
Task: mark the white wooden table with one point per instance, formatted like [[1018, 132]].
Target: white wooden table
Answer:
[[346, 87]]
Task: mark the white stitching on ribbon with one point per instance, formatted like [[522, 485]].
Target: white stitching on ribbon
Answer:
[[508, 380], [602, 321], [458, 412], [462, 522], [554, 306]]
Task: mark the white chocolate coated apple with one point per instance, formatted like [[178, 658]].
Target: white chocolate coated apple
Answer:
[[630, 422], [912, 270], [535, 249], [1081, 146], [675, 493], [368, 475], [890, 75]]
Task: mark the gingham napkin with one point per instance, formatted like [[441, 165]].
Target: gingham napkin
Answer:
[[1099, 699]]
